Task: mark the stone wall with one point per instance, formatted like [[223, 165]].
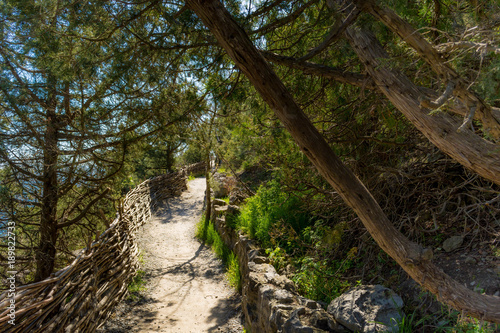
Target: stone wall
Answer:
[[270, 303]]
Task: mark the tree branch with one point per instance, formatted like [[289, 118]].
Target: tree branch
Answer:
[[355, 79], [83, 212], [411, 36]]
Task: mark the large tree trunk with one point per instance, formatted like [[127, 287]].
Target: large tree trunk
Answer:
[[46, 251], [465, 147], [440, 65], [414, 259]]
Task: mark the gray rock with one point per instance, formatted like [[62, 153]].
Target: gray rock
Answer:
[[221, 185], [324, 321], [368, 309], [452, 243], [219, 202], [237, 196], [294, 325], [470, 260]]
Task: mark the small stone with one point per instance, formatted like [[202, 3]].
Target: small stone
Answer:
[[452, 243], [470, 260]]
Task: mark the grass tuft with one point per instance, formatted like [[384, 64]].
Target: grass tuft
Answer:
[[205, 231], [136, 285]]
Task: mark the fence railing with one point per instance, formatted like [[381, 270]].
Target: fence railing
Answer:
[[79, 297]]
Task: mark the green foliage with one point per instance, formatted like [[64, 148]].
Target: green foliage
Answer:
[[278, 221], [233, 271], [445, 322], [191, 177], [472, 325], [323, 279], [267, 208], [136, 285], [192, 154], [206, 232], [489, 81], [278, 257]]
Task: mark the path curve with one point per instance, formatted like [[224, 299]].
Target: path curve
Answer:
[[186, 288]]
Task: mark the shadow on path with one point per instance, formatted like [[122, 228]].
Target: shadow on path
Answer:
[[186, 290]]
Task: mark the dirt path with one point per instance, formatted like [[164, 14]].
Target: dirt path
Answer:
[[186, 289]]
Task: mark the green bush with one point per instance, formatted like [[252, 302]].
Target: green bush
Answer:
[[136, 285], [293, 237], [321, 280], [269, 207]]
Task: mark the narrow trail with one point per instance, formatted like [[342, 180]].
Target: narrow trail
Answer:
[[186, 289]]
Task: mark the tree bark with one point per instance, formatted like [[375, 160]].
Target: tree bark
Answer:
[[414, 259], [466, 147], [46, 252], [411, 36]]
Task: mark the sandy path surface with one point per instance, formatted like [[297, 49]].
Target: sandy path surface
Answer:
[[186, 288]]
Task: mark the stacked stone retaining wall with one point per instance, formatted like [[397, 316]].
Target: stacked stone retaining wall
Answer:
[[270, 302]]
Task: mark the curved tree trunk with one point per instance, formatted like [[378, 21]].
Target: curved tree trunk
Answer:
[[413, 38], [415, 260], [467, 148]]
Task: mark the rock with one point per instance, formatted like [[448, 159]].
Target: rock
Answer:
[[294, 325], [368, 309], [222, 184], [470, 260], [237, 196], [452, 243], [219, 202], [322, 320]]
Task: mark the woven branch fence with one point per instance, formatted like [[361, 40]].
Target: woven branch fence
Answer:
[[80, 297]]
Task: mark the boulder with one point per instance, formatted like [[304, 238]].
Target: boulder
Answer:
[[237, 196], [452, 243], [368, 308], [222, 184]]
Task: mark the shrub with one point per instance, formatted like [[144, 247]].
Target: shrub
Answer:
[[268, 207]]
